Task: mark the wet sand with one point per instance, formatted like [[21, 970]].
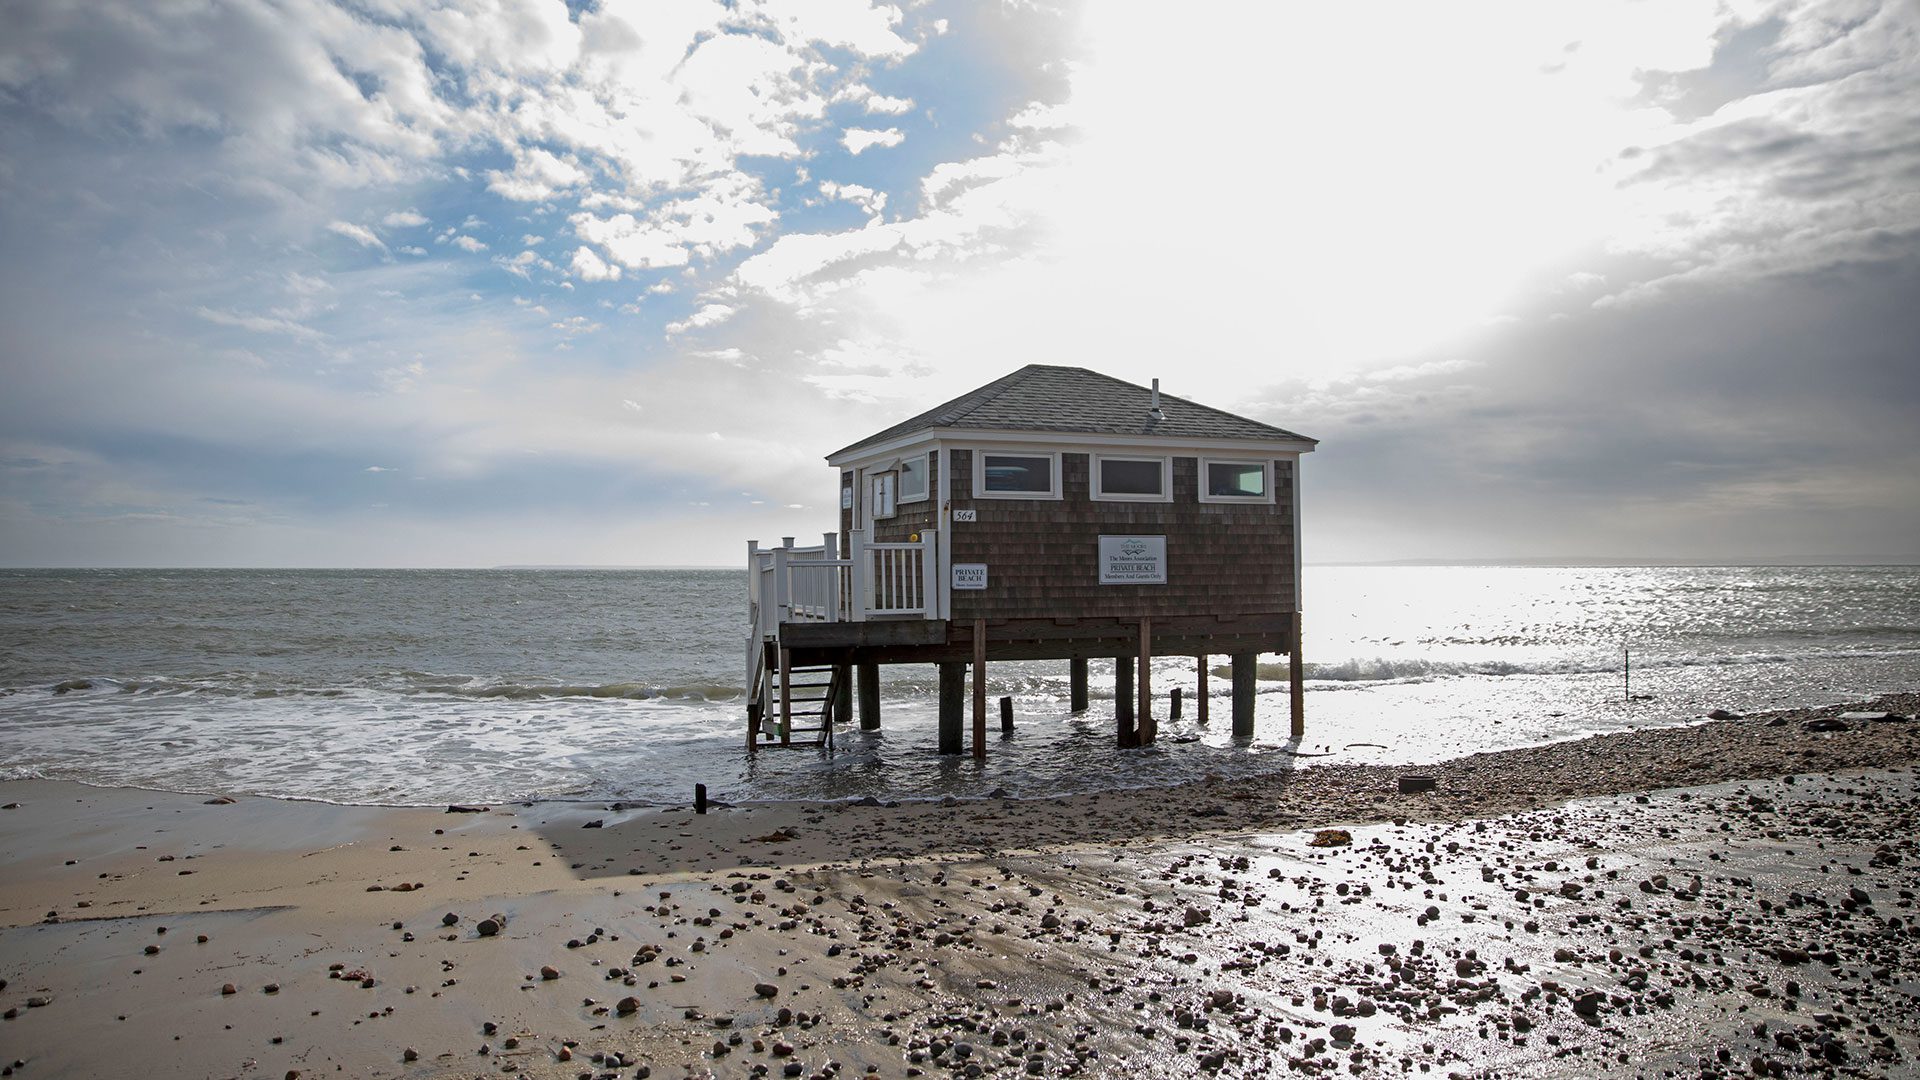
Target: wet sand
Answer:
[[1730, 899]]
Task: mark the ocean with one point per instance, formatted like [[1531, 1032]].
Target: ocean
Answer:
[[436, 686]]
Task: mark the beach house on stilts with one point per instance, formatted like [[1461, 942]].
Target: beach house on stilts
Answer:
[[1055, 513]]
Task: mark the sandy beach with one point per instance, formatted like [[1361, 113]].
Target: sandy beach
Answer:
[[1731, 898]]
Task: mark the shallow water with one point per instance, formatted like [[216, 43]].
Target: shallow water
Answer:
[[438, 686]]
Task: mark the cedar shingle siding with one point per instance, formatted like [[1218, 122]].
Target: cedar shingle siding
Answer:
[[1042, 554]]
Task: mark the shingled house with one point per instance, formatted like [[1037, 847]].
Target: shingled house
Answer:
[[1054, 513]]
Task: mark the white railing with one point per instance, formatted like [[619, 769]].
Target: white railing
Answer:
[[812, 584]]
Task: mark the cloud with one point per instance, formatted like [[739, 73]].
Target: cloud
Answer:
[[359, 234], [468, 243], [588, 267], [404, 219], [259, 324], [859, 139]]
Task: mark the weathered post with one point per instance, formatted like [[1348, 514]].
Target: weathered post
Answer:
[[980, 689], [869, 676], [842, 693], [1077, 684], [1200, 691], [952, 704], [1006, 716], [1297, 677], [1149, 728], [1245, 669], [699, 798], [1123, 701], [1173, 706]]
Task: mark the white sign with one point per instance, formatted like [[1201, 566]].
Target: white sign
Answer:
[[846, 498], [966, 515], [1133, 560], [969, 575]]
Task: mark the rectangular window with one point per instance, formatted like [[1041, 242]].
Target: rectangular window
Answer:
[[1235, 481], [1017, 476], [882, 494], [1128, 479], [913, 478]]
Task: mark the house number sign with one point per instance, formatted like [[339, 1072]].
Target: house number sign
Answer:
[[1133, 560]]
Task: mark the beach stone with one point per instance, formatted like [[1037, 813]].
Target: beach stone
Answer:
[[488, 927], [409, 1054], [766, 990], [449, 919], [1827, 723], [627, 1006], [549, 973], [1587, 1003]]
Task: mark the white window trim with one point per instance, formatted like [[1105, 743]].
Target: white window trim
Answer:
[[1166, 479], [1266, 466], [980, 474], [901, 498]]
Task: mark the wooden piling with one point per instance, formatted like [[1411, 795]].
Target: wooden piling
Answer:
[[869, 674], [1200, 691], [1149, 727], [1124, 734], [842, 695], [699, 798], [1245, 671], [1297, 678], [1173, 705], [980, 689], [1006, 716], [952, 705], [1077, 684], [786, 698]]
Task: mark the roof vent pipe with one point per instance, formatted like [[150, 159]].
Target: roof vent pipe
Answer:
[[1155, 410]]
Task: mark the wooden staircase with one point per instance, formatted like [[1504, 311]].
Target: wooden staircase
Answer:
[[794, 706]]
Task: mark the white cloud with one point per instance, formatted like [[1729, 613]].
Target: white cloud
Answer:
[[537, 174], [873, 202], [468, 243], [708, 315], [359, 234], [404, 219], [380, 469], [590, 267], [859, 139], [259, 324]]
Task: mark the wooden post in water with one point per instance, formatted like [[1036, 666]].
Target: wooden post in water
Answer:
[[980, 689], [1006, 716], [1123, 701], [1297, 684], [952, 705], [1149, 727], [1245, 671], [1173, 705], [699, 798], [869, 675], [1200, 691], [786, 697], [842, 693], [1077, 684]]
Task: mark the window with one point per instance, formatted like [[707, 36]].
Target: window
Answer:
[[913, 478], [1016, 476], [1235, 481], [882, 492], [1128, 479]]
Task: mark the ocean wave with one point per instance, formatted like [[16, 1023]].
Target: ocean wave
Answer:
[[1415, 669], [408, 684]]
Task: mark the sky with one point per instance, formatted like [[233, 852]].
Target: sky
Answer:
[[438, 283]]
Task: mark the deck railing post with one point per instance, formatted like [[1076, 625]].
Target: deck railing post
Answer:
[[930, 573], [782, 585], [857, 555], [829, 551]]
